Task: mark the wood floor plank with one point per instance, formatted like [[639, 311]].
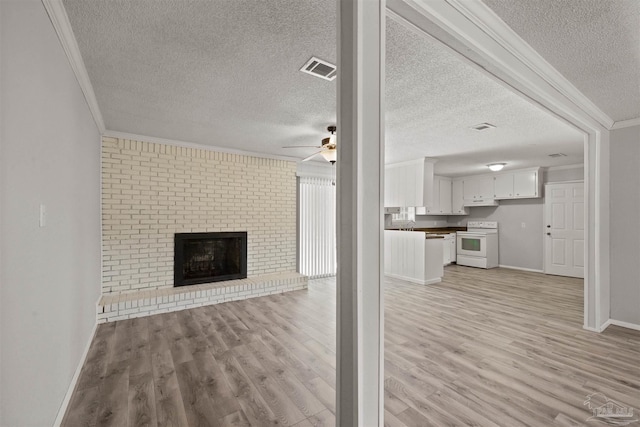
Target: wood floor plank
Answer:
[[278, 401], [140, 359], [222, 398], [323, 392], [114, 397], [235, 419], [322, 419], [169, 406], [483, 347], [195, 399], [250, 400], [83, 408], [391, 420], [95, 365], [142, 401], [300, 395]]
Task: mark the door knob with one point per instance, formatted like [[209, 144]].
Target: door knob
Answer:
[[548, 234]]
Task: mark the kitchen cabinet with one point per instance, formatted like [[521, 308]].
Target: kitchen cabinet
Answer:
[[478, 187], [413, 184], [444, 185], [441, 197], [517, 184], [452, 247], [457, 198], [411, 256], [503, 186], [449, 249], [409, 184], [526, 184]]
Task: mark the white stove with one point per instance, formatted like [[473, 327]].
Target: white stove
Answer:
[[478, 246]]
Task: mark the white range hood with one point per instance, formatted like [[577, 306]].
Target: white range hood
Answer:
[[480, 202]]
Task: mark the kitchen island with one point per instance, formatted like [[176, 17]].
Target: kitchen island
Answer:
[[414, 256]]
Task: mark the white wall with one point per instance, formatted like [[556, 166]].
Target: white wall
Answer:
[[625, 234], [561, 174], [518, 247], [50, 276]]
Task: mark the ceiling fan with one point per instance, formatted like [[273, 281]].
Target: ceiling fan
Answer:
[[328, 147]]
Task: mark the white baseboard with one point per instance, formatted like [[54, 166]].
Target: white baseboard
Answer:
[[414, 280], [406, 279], [614, 322], [511, 267], [74, 380], [621, 324]]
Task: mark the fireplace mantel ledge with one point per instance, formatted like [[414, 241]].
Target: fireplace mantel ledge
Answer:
[[119, 306]]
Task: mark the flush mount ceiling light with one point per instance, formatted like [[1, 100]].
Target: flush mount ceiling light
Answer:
[[496, 166], [483, 126]]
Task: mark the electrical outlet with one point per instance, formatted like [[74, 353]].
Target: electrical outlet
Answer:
[[523, 225]]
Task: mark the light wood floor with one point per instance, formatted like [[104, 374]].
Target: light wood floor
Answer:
[[484, 348]]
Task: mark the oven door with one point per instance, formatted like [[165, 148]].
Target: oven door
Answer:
[[472, 245]]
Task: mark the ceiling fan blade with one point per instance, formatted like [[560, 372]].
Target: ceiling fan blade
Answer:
[[302, 146], [312, 156]]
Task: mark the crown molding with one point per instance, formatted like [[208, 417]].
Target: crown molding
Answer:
[[490, 23], [195, 145], [626, 123], [565, 167], [506, 56], [62, 26]]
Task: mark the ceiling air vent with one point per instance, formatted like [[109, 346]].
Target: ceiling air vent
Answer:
[[482, 126], [558, 155], [319, 68]]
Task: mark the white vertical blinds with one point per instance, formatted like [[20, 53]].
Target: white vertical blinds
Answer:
[[317, 227]]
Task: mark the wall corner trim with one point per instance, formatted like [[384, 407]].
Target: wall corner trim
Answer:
[[626, 123], [60, 20], [74, 380]]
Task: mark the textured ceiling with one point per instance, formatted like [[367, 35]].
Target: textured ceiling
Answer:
[[595, 44], [225, 73]]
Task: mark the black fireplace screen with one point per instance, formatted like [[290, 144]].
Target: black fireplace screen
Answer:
[[209, 257]]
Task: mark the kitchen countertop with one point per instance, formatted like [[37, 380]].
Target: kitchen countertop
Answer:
[[441, 230]]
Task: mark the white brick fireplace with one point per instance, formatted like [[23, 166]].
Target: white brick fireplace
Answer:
[[151, 191]]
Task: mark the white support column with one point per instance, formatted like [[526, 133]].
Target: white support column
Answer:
[[360, 219]]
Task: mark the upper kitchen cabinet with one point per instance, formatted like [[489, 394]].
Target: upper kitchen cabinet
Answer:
[[527, 183], [519, 184], [409, 184], [441, 197], [503, 186], [457, 198], [478, 187]]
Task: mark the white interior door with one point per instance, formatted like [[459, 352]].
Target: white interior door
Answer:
[[564, 229]]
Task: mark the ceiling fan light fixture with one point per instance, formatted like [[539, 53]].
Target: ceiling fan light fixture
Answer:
[[330, 155], [495, 167]]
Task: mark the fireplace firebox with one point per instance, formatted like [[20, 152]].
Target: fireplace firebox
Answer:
[[209, 257]]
